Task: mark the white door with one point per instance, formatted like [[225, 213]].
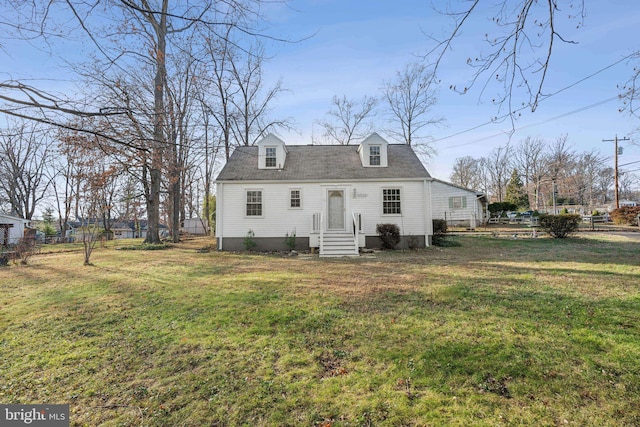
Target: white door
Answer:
[[335, 201]]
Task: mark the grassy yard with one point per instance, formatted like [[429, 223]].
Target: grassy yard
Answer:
[[492, 332]]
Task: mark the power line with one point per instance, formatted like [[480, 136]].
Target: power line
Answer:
[[633, 170], [503, 117], [630, 163], [579, 110]]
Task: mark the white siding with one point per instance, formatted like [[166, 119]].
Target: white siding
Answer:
[[16, 231], [368, 202], [442, 209], [278, 218]]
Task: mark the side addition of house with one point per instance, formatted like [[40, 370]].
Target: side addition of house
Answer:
[[457, 205], [331, 196]]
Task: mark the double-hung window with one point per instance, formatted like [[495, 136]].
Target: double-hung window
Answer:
[[295, 201], [254, 203], [391, 201], [457, 202], [270, 157], [374, 155]]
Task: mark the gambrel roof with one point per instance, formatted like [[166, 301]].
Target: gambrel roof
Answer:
[[323, 163]]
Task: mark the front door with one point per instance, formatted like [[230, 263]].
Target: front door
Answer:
[[335, 201]]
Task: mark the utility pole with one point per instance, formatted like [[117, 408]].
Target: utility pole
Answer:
[[615, 168]]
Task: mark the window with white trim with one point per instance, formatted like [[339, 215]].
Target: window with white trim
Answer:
[[295, 199], [270, 157], [391, 201], [254, 203], [457, 202], [374, 155]]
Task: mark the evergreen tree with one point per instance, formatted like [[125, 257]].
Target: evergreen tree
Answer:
[[516, 192]]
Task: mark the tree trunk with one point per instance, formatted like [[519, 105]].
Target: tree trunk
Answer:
[[153, 200], [153, 207]]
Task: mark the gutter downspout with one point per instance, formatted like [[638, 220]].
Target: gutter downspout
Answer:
[[427, 211], [219, 222]]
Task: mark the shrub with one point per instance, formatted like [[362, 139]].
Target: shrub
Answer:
[[559, 226], [439, 231], [626, 215], [25, 249], [413, 242], [249, 241], [389, 235], [290, 240], [502, 206]]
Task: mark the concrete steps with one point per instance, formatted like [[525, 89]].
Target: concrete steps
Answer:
[[338, 245]]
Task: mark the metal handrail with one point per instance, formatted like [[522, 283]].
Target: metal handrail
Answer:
[[357, 218], [321, 227]]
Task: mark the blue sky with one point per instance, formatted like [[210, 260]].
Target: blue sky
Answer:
[[356, 45]]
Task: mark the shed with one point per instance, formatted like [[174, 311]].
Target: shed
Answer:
[[12, 229]]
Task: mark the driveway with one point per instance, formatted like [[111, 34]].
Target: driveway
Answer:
[[629, 234]]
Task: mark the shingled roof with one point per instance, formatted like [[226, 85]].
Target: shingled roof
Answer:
[[323, 162]]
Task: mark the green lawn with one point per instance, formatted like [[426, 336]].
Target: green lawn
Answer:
[[491, 332]]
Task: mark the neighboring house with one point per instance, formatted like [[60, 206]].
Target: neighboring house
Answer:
[[12, 229], [124, 230], [120, 229], [457, 205], [331, 196]]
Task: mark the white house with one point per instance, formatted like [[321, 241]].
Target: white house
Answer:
[[12, 229], [331, 196], [458, 205]]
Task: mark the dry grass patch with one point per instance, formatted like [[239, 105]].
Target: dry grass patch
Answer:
[[495, 331]]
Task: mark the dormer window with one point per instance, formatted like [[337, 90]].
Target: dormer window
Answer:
[[373, 152], [374, 155], [270, 157], [272, 153]]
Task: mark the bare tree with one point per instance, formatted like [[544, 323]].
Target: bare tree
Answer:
[[135, 39], [252, 99], [410, 99], [216, 103], [631, 90], [530, 157], [182, 105], [347, 119], [498, 167], [561, 159], [521, 36], [587, 168], [467, 172], [24, 155], [627, 182], [67, 173], [604, 182]]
